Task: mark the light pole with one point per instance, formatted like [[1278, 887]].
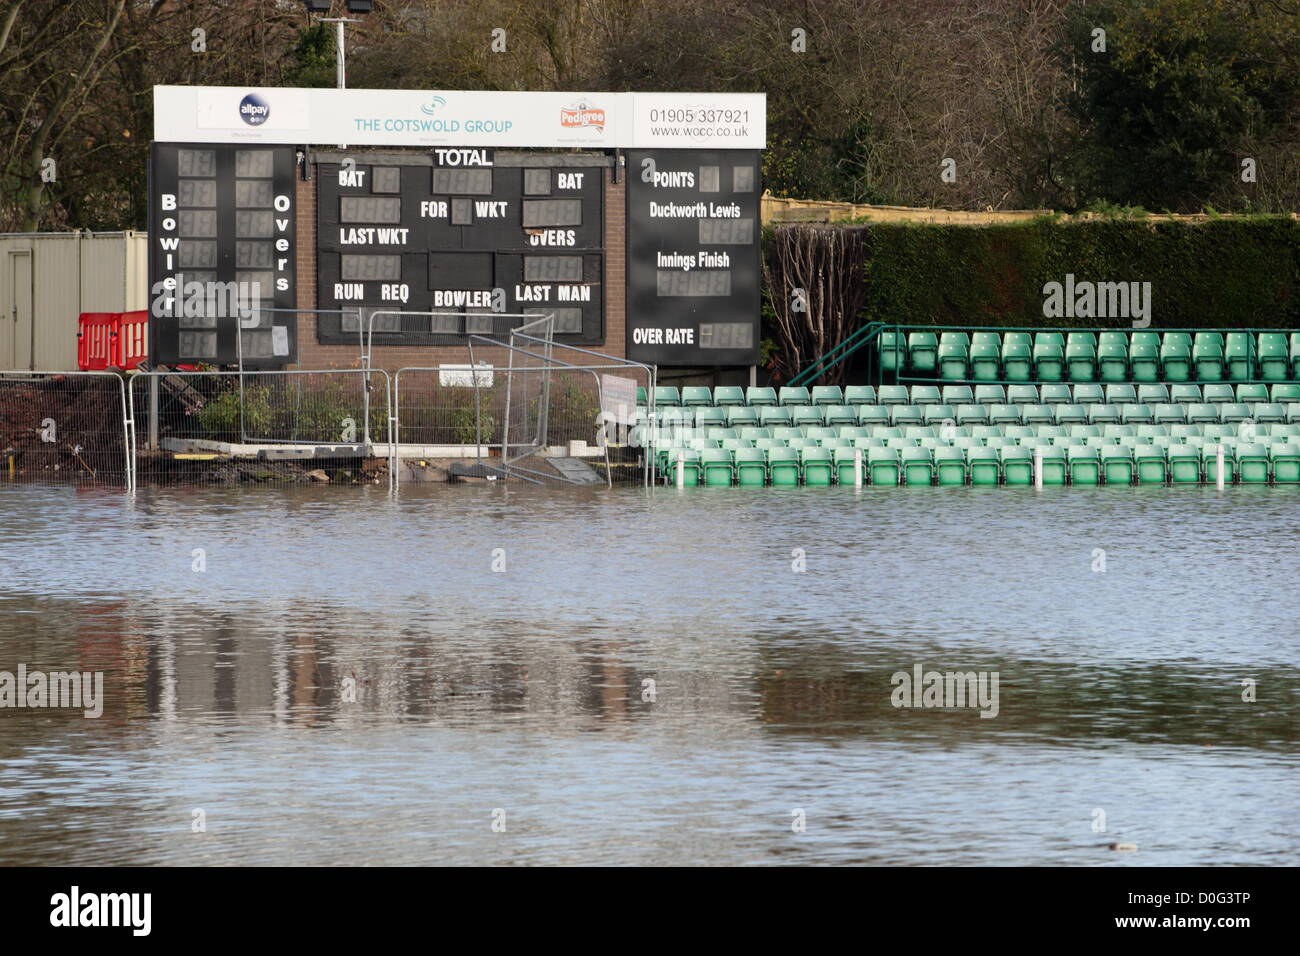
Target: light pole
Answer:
[[354, 6]]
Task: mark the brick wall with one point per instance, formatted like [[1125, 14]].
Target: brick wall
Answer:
[[313, 355]]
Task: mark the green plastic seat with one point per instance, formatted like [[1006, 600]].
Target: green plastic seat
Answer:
[[1202, 412], [1049, 356], [900, 416], [818, 465], [772, 415], [925, 395], [794, 395], [1185, 392], [1056, 394], [1088, 393], [1252, 393], [894, 395], [1239, 356], [845, 459], [1037, 415], [835, 442], [707, 415], [1022, 394], [1151, 464], [1183, 432], [891, 351], [717, 466], [1285, 461], [854, 431], [1017, 357], [820, 432], [1085, 465], [726, 395], [1112, 357], [983, 465], [1103, 414], [986, 356], [1217, 393], [869, 415], [1004, 414], [1070, 414], [1268, 412], [1136, 414], [1234, 412], [922, 347], [1293, 411], [1252, 464], [939, 414], [1118, 466], [742, 416], [1081, 356], [1185, 464], [972, 415], [827, 395], [757, 395], [955, 395], [731, 443], [667, 395], [1207, 356], [860, 395], [1121, 393], [954, 356], [641, 397], [1209, 456], [691, 470], [918, 466], [839, 414], [1017, 463], [751, 467], [949, 466], [1144, 357], [990, 395], [695, 395], [884, 466], [1274, 362], [1153, 394], [783, 466], [1055, 463], [1176, 357], [805, 414]]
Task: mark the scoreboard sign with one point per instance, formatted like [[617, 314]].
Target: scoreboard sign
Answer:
[[221, 254], [462, 231], [692, 251]]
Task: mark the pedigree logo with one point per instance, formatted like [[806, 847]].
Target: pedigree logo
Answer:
[[581, 114]]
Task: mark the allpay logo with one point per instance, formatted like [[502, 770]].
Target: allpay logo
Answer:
[[254, 110]]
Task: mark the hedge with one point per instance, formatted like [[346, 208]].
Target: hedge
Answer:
[[1231, 272]]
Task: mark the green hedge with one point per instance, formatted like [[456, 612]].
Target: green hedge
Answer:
[[1221, 273]]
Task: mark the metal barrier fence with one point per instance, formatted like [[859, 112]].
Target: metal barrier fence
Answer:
[[64, 427], [267, 424]]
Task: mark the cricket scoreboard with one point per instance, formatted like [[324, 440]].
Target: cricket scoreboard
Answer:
[[631, 218]]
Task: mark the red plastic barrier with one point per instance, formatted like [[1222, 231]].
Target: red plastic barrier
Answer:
[[112, 340]]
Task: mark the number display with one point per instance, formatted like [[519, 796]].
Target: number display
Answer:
[[197, 255], [197, 192], [552, 268], [385, 179], [742, 179], [370, 209], [472, 182], [361, 268], [254, 255], [676, 283], [710, 179], [537, 182], [254, 163], [252, 193], [196, 162], [540, 213], [724, 232], [200, 345], [566, 319], [726, 335], [254, 224], [197, 222]]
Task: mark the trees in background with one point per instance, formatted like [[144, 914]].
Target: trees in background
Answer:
[[967, 104]]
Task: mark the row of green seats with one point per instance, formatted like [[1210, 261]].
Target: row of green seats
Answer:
[[1010, 465], [1113, 356], [1084, 393], [904, 415]]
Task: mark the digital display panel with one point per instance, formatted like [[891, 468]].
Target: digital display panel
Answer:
[[218, 215], [693, 257], [467, 231]]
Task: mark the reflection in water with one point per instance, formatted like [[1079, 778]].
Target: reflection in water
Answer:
[[649, 681]]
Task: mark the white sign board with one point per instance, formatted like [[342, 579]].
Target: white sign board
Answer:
[[464, 376], [618, 399], [238, 114]]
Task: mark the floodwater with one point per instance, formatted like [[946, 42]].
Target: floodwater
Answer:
[[327, 675]]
